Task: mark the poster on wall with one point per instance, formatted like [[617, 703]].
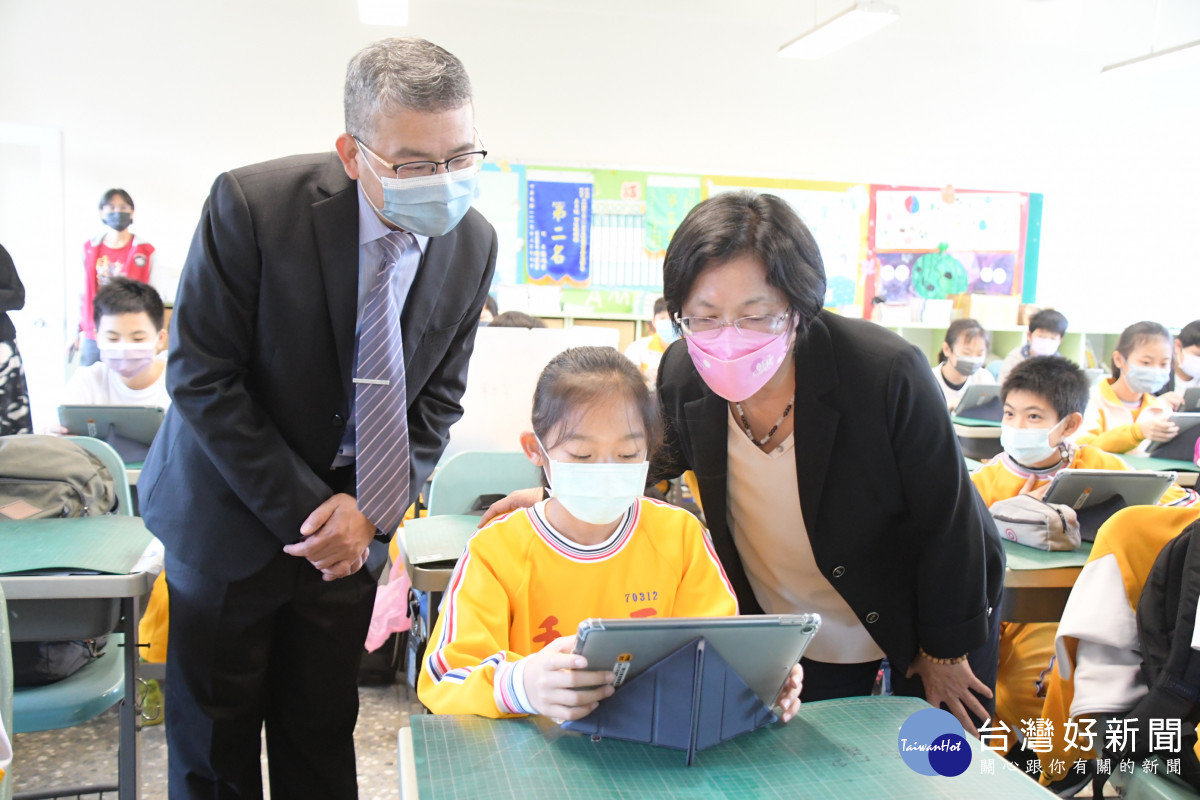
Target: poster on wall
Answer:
[[835, 213], [559, 210], [669, 198], [499, 200], [934, 243]]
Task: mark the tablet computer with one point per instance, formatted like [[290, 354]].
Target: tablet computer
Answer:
[[1191, 399], [1183, 446], [136, 423], [1097, 494], [761, 649], [980, 401]]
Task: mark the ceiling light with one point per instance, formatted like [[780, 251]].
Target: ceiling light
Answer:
[[1163, 60], [860, 20], [383, 12]]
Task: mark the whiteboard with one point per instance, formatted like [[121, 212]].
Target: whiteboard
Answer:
[[501, 377]]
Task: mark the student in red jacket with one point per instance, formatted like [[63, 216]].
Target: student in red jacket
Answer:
[[115, 253]]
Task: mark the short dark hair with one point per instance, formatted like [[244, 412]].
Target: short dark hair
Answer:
[[111, 193], [1136, 334], [1055, 379], [125, 296], [747, 223], [1190, 335], [1048, 320], [489, 304], [660, 305], [515, 319], [966, 329], [581, 376]]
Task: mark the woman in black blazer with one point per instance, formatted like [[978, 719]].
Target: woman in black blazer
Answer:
[[888, 533]]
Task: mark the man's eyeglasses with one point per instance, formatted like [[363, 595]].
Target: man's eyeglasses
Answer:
[[707, 327], [420, 169]]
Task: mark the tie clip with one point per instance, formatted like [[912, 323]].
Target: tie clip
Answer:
[[373, 381]]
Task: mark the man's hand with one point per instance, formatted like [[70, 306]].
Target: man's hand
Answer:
[[521, 498], [559, 685], [336, 538], [952, 684]]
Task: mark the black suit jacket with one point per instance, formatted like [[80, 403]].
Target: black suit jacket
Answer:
[[262, 348], [895, 523]]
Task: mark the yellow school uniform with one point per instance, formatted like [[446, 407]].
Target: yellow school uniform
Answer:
[[1027, 649], [1115, 573], [1111, 425], [521, 585]]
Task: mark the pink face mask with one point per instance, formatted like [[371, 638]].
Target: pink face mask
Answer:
[[736, 365], [127, 360]]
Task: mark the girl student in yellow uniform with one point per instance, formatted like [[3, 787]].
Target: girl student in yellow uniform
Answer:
[[596, 548], [1123, 415]]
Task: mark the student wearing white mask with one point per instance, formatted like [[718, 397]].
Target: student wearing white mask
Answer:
[[647, 351], [1124, 415], [130, 336], [961, 360], [1045, 335], [1186, 372], [503, 644]]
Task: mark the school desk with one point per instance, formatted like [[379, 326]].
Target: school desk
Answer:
[[1187, 471], [978, 438], [1037, 582], [108, 551], [836, 749]]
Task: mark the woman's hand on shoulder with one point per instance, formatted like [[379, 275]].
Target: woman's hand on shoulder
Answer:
[[521, 498], [559, 685], [952, 684]]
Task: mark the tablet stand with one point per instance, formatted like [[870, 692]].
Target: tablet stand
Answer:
[[690, 700]]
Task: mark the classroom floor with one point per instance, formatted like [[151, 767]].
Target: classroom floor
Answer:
[[88, 753]]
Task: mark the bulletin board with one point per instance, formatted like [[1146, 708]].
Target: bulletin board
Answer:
[[609, 228]]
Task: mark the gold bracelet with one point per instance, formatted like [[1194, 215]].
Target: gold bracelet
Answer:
[[942, 661]]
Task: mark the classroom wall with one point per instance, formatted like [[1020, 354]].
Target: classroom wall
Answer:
[[160, 97]]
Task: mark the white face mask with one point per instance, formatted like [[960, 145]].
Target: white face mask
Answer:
[[1042, 346], [595, 493], [1027, 446], [1190, 364]]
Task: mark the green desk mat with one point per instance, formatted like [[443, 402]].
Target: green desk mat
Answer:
[[970, 422], [1024, 557], [438, 539], [835, 749], [1153, 464], [111, 544]]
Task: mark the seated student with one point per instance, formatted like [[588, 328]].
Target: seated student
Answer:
[[1124, 416], [489, 311], [1046, 330], [647, 351], [1044, 399], [503, 642], [129, 332], [960, 363], [1097, 653], [515, 319], [1186, 374]]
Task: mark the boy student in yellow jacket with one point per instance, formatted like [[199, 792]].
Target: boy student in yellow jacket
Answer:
[[647, 351], [961, 361], [1098, 661], [1044, 399], [1124, 416], [503, 642]]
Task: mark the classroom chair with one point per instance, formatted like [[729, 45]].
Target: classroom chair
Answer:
[[101, 684], [464, 477], [6, 688]]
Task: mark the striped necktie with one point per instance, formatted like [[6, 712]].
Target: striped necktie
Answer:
[[381, 408]]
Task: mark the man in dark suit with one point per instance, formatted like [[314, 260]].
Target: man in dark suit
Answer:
[[287, 456]]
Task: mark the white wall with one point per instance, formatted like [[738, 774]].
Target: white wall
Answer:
[[978, 93]]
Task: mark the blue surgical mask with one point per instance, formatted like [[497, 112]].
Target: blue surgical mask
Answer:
[[1027, 446], [665, 330], [596, 493], [432, 205], [1146, 380]]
